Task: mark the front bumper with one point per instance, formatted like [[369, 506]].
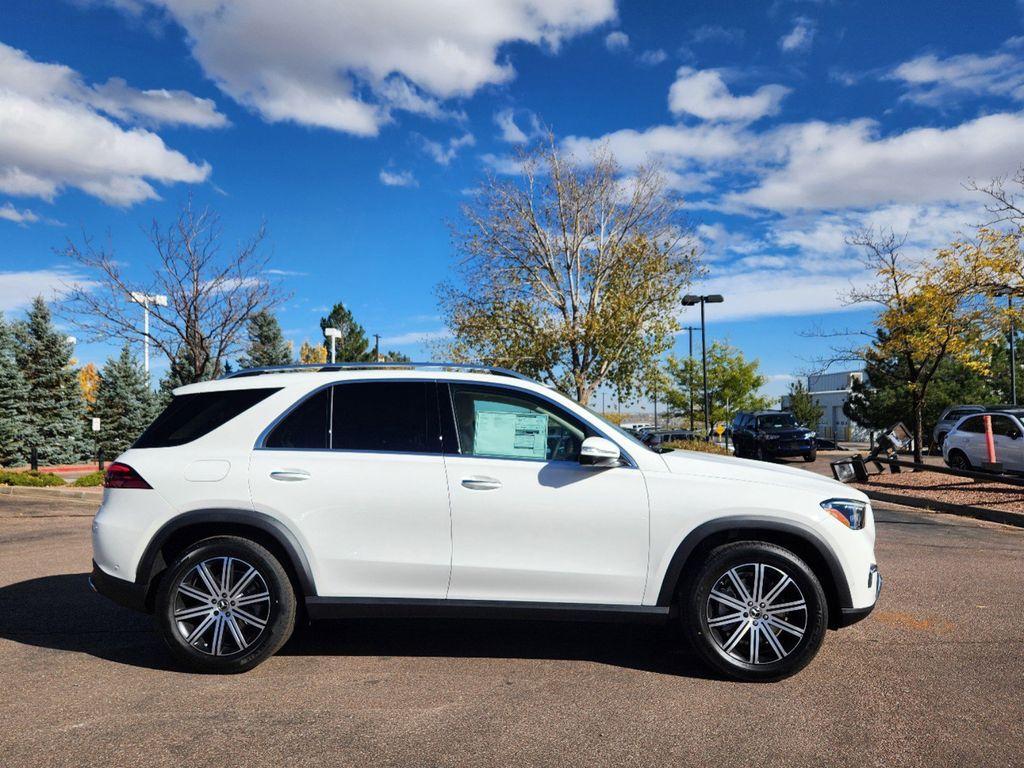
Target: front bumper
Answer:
[[848, 616], [788, 447], [124, 593]]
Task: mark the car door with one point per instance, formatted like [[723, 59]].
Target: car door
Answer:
[[529, 522], [1006, 435], [969, 437], [357, 470]]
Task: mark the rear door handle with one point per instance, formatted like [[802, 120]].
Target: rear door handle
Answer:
[[289, 475], [481, 483]]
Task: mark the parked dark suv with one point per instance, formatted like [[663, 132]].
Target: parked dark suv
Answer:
[[772, 434]]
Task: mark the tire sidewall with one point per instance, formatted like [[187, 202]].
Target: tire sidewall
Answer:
[[695, 613], [282, 605], [958, 460]]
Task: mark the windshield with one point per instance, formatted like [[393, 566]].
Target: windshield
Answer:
[[776, 421]]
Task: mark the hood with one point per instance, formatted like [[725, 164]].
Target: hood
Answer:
[[749, 471]]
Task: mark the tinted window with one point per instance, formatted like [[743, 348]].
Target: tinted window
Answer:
[[189, 417], [306, 426], [500, 423], [385, 416], [776, 421], [972, 425], [1004, 425]]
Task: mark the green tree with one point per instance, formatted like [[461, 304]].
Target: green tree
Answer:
[[14, 395], [124, 403], [267, 345], [569, 275], [733, 384], [56, 409], [803, 406], [352, 346], [883, 399]]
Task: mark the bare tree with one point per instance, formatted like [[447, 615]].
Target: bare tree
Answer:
[[211, 293], [570, 272]]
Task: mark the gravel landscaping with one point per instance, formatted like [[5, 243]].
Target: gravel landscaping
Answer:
[[934, 486]]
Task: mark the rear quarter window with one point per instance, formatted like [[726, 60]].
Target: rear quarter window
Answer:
[[189, 417]]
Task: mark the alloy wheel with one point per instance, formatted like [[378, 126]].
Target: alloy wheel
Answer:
[[221, 606], [756, 613]]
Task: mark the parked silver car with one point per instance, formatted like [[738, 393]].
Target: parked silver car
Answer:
[[949, 418]]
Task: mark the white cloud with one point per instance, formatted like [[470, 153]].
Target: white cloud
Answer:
[[677, 146], [53, 135], [825, 166], [10, 213], [415, 337], [510, 132], [17, 289], [443, 154], [800, 38], [653, 57], [716, 33], [397, 178], [616, 41], [330, 65], [155, 107], [936, 82], [703, 93]]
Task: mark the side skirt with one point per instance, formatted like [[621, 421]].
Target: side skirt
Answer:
[[373, 607]]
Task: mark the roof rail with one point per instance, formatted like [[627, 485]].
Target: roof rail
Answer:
[[328, 367]]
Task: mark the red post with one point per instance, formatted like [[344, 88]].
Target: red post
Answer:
[[989, 442]]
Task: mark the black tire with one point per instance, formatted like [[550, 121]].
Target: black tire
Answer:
[[958, 460], [277, 610], [760, 453], [709, 642], [811, 456]]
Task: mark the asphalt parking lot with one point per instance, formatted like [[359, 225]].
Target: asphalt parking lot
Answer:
[[933, 677]]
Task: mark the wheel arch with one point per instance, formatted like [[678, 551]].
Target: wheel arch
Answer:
[[194, 526], [804, 542]]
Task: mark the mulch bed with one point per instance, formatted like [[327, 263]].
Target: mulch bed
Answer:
[[933, 486]]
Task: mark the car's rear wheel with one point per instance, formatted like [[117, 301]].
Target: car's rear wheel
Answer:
[[225, 605], [754, 611], [958, 460]]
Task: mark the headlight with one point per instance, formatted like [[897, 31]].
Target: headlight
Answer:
[[847, 511], [810, 435]]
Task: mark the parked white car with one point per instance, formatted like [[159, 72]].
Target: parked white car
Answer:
[[447, 491], [965, 446]]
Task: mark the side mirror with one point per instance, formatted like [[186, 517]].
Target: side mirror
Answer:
[[600, 452]]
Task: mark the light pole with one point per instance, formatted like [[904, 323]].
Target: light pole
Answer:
[[145, 299], [1008, 293], [689, 384], [332, 334], [376, 348], [690, 300]]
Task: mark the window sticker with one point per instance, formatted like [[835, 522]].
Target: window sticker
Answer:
[[520, 435]]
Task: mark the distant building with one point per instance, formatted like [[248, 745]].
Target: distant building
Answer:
[[831, 391]]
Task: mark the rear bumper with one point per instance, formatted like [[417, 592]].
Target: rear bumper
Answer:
[[125, 593]]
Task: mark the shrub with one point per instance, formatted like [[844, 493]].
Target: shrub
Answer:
[[29, 478], [697, 445], [91, 480]]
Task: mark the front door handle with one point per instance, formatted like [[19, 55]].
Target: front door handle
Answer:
[[481, 483], [289, 475]]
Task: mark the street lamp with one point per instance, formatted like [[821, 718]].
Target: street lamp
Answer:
[[1008, 292], [689, 384], [145, 299], [332, 334], [690, 300]]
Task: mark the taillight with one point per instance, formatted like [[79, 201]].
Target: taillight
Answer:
[[122, 476]]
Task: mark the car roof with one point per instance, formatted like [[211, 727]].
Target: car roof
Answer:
[[315, 375]]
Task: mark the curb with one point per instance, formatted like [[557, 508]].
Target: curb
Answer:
[[980, 513], [76, 494]]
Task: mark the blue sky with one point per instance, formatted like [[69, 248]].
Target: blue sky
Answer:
[[355, 129]]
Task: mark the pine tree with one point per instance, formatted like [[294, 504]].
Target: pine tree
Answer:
[[14, 397], [124, 403], [56, 410], [267, 345], [352, 347]]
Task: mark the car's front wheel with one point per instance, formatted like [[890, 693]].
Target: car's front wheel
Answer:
[[754, 611], [811, 455], [225, 605]]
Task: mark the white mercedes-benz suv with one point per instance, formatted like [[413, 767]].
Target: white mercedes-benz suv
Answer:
[[445, 490]]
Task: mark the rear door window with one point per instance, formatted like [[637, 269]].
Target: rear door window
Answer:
[[974, 424], [385, 416], [189, 417], [307, 426]]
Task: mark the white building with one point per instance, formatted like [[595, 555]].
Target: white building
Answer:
[[831, 391]]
